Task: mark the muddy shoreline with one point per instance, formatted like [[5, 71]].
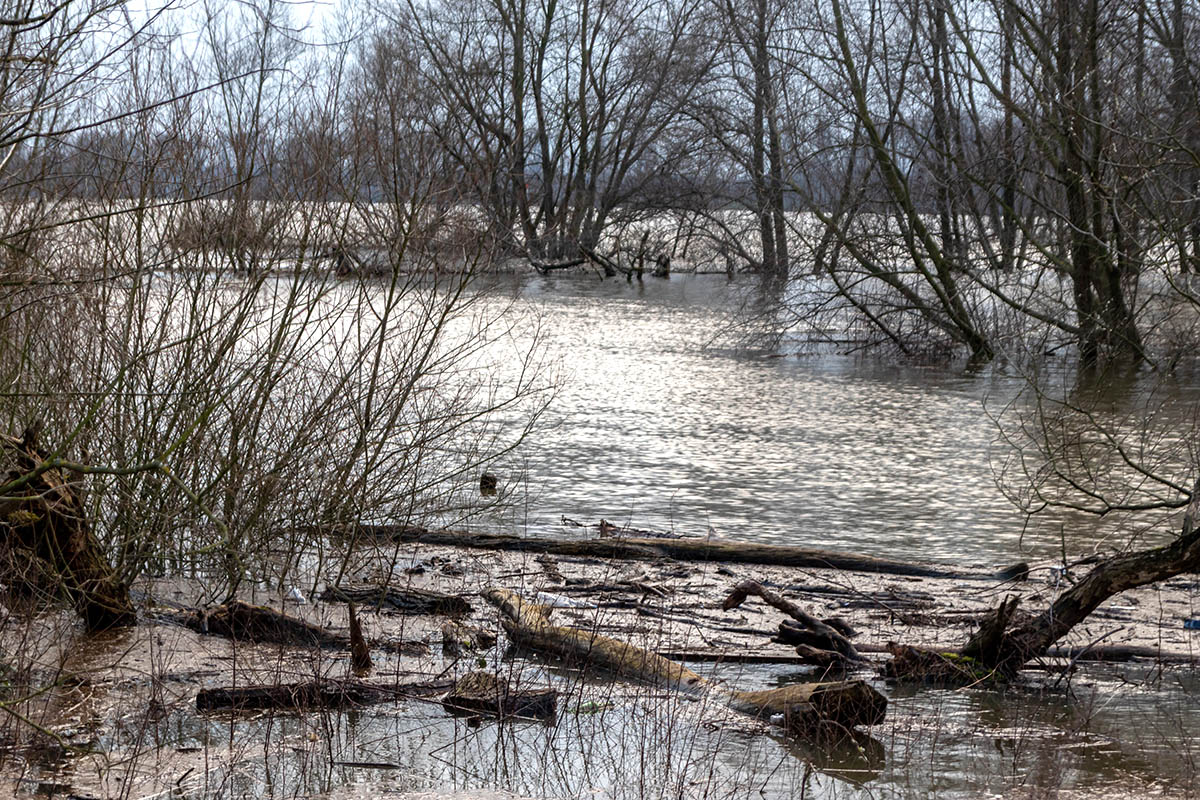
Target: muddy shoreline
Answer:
[[120, 717]]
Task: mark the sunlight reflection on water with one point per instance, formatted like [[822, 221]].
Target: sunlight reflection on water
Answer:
[[660, 423]]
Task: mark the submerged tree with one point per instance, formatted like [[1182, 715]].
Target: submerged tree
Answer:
[[557, 116], [1012, 176]]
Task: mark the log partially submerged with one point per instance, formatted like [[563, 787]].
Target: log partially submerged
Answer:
[[41, 512], [314, 695], [407, 600], [261, 625], [1112, 653], [257, 624], [482, 692], [1001, 647], [802, 706], [822, 642], [639, 548]]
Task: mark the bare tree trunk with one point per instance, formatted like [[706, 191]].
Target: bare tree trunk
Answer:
[[1009, 175], [942, 164], [1187, 135], [42, 512], [774, 179], [762, 194], [1107, 327], [996, 650]]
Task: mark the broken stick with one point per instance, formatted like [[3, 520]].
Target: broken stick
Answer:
[[811, 633]]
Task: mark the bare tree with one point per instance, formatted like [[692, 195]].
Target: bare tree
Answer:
[[223, 398], [558, 115]]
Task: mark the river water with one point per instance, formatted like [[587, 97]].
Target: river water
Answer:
[[672, 415], [668, 415]]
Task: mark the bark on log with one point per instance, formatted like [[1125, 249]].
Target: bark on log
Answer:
[[484, 693], [984, 645], [1033, 637], [846, 703], [639, 548], [824, 657], [262, 625], [642, 587], [257, 624], [42, 512], [791, 633], [933, 667], [1005, 654], [732, 657], [610, 266], [549, 266], [314, 694], [1117, 653], [408, 600]]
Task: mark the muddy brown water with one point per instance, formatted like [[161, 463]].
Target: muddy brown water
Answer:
[[661, 422]]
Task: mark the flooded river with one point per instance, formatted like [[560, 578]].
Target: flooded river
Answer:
[[669, 416]]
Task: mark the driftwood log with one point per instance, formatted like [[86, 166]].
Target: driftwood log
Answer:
[[261, 625], [640, 548], [484, 693], [314, 694], [802, 706], [1002, 646], [1119, 652], [823, 642], [732, 657], [40, 511], [407, 600], [257, 624]]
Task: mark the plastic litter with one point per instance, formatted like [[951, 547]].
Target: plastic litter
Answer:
[[558, 601]]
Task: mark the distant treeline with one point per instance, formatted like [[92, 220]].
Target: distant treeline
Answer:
[[942, 147]]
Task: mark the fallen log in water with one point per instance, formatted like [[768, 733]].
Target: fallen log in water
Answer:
[[634, 548], [484, 693], [475, 693], [257, 624], [261, 625], [408, 600], [1005, 642], [1113, 653], [733, 657], [823, 642], [802, 706], [314, 695]]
